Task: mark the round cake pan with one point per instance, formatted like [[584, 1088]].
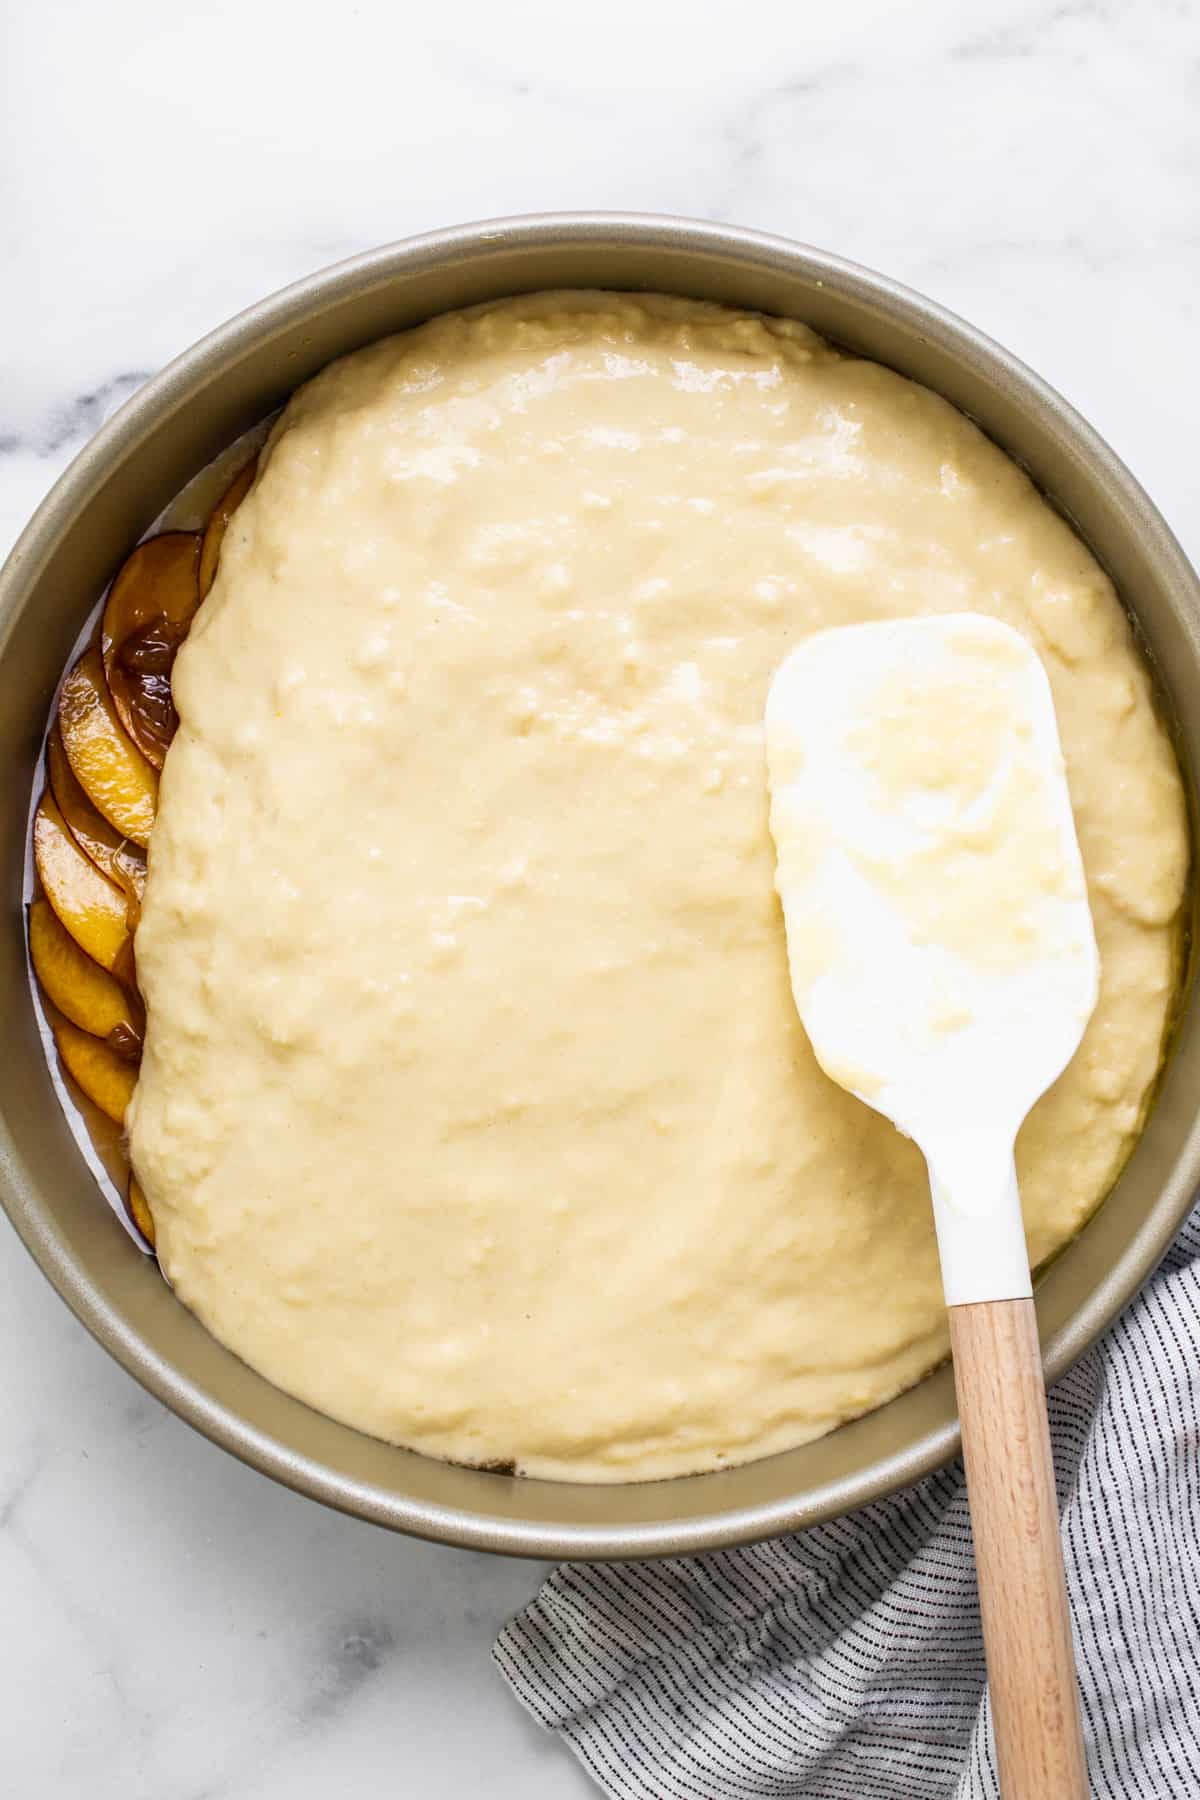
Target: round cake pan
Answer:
[[119, 484]]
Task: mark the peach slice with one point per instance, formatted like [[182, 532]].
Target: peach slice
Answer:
[[139, 1209], [223, 511], [87, 903], [106, 1078], [84, 992], [108, 765], [149, 608], [113, 854]]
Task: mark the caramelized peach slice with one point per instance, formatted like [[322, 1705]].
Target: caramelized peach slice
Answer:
[[87, 994], [106, 1078], [87, 903], [149, 608], [139, 1209], [223, 511], [113, 854], [108, 765]]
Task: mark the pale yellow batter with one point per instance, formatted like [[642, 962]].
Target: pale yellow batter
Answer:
[[475, 1109]]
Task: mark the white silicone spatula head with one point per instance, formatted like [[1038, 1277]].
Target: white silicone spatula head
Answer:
[[944, 965], [941, 948]]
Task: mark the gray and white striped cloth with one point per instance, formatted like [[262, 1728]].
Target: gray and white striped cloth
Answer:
[[845, 1662]]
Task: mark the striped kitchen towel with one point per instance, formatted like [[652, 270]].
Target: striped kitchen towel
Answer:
[[845, 1662]]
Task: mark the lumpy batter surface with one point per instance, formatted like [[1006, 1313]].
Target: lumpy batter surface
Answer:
[[475, 1109]]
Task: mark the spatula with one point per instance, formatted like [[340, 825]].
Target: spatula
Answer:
[[944, 966]]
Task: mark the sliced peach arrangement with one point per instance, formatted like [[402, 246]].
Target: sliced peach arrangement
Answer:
[[121, 784], [82, 990], [149, 609], [116, 718], [113, 855], [91, 907]]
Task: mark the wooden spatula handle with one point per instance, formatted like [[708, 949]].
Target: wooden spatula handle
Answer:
[[1018, 1554]]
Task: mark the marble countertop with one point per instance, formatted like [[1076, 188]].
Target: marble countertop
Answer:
[[178, 1627]]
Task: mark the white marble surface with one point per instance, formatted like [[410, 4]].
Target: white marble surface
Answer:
[[177, 1627]]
